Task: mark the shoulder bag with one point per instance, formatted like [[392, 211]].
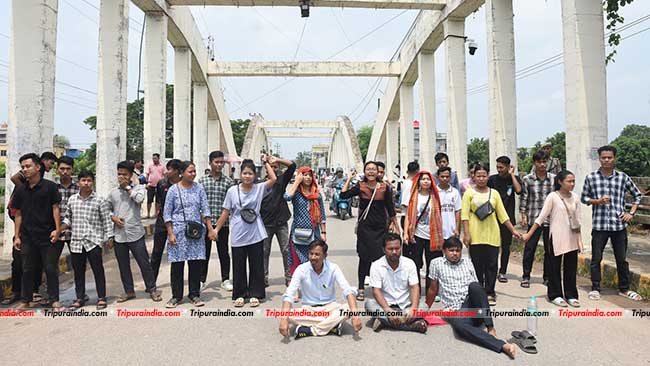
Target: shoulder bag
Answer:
[[486, 209], [364, 214], [247, 214], [574, 223], [193, 229]]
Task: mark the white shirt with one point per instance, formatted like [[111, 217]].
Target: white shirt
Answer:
[[405, 195], [422, 229], [395, 284], [317, 289], [451, 202]]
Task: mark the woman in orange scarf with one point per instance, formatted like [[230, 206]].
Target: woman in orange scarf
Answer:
[[308, 216], [423, 223]]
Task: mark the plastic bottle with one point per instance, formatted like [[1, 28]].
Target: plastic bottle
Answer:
[[532, 319]]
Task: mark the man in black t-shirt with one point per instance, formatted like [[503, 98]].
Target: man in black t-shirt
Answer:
[[507, 183], [37, 226]]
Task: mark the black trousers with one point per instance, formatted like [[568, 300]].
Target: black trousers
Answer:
[[363, 270], [159, 240], [194, 276], [222, 250], [35, 252], [94, 256], [249, 284], [531, 247], [415, 251], [139, 250], [17, 273], [619, 244], [506, 242], [472, 329], [484, 258], [556, 263]]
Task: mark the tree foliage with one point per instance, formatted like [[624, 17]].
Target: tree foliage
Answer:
[[478, 151], [239, 128], [61, 141], [633, 145], [303, 158], [363, 138], [612, 8]]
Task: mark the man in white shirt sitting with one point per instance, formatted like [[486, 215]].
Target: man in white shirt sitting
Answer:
[[396, 289], [317, 281]]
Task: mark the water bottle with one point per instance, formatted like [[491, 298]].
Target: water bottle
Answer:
[[532, 319]]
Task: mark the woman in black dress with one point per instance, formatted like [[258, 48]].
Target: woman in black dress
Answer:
[[375, 214]]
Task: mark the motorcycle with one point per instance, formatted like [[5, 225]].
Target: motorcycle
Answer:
[[342, 207]]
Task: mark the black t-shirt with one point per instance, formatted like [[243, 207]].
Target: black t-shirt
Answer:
[[161, 193], [506, 190], [274, 210], [35, 205]]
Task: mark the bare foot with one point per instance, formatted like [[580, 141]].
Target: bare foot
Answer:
[[492, 331], [510, 350]]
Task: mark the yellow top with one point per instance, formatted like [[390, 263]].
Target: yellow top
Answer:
[[485, 231]]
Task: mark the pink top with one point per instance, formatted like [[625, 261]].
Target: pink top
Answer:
[[155, 173], [564, 239]]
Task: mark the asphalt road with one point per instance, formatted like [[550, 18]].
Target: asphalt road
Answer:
[[250, 341]]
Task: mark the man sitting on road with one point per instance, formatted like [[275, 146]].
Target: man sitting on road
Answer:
[[395, 288], [317, 281], [454, 279]]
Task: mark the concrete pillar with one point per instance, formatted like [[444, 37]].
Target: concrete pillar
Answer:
[[111, 91], [155, 87], [392, 151], [214, 135], [406, 139], [585, 92], [32, 61], [426, 76], [456, 80], [502, 104], [182, 95], [200, 126]]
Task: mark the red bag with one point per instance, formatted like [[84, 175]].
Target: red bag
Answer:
[[10, 208]]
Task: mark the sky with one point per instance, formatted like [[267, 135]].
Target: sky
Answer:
[[280, 34]]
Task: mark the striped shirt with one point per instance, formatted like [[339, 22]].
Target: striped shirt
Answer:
[[90, 221], [66, 193], [453, 280], [533, 195], [597, 185]]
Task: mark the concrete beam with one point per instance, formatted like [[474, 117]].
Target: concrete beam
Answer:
[[303, 69], [386, 112], [369, 4], [299, 124], [155, 87], [426, 76], [214, 135], [200, 126], [31, 74], [302, 134], [502, 103], [585, 92], [111, 91], [406, 136], [182, 94], [392, 149], [456, 80]]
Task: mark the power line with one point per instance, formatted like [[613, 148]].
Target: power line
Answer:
[[302, 33], [76, 87]]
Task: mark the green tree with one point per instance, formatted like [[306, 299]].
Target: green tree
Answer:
[[303, 158], [87, 160], [478, 150], [239, 128], [3, 170], [611, 8], [61, 141], [524, 160], [363, 137], [633, 145]]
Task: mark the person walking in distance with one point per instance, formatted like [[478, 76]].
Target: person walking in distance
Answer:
[[154, 173]]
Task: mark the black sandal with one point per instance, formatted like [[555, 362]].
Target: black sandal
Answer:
[[361, 296], [525, 283], [525, 345], [101, 304], [78, 303]]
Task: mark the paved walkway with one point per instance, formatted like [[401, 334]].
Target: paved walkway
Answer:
[[256, 341]]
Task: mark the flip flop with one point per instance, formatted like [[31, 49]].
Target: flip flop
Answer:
[[526, 346], [631, 295], [525, 335], [525, 283]]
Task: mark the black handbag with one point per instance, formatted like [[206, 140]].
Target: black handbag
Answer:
[[193, 229], [485, 209], [247, 214]]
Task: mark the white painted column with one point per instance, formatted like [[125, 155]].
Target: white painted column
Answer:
[[200, 127], [214, 135], [502, 102], [155, 85], [111, 91], [32, 61], [456, 80], [406, 139], [182, 93], [585, 91], [426, 77], [392, 151]]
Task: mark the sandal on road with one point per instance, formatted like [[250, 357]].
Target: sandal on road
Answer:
[[594, 295], [525, 335], [10, 300], [196, 301], [558, 301], [361, 296], [502, 278], [101, 304], [255, 302], [574, 302], [125, 297], [631, 295], [525, 345], [525, 283], [78, 303], [57, 306], [239, 302]]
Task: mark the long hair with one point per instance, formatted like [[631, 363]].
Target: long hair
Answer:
[[559, 178]]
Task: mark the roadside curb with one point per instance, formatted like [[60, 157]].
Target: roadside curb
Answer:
[[65, 263]]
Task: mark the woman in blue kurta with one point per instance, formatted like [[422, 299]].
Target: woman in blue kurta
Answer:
[[308, 213], [186, 201]]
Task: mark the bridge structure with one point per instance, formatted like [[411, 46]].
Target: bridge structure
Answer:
[[200, 110]]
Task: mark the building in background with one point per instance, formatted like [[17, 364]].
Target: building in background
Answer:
[[319, 157], [441, 140], [3, 142]]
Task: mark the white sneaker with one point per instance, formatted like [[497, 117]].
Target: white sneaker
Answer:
[[204, 285], [226, 285]]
